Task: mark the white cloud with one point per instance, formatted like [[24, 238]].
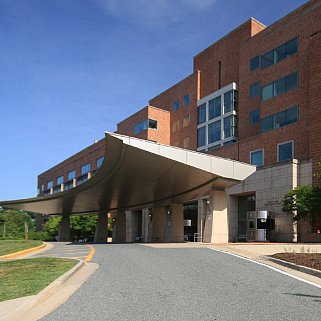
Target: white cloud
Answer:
[[154, 12]]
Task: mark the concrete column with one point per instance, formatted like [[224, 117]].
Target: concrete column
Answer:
[[158, 224], [64, 230], [74, 182], [119, 230], [147, 219], [216, 224], [177, 223], [203, 211], [62, 187], [131, 226], [101, 232]]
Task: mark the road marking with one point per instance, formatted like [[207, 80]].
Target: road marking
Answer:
[[269, 267], [91, 253]]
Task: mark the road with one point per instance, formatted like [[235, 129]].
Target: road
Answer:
[[138, 282]]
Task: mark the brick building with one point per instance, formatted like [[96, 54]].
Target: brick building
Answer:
[[254, 96]]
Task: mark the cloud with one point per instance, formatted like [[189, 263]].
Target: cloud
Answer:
[[154, 12]]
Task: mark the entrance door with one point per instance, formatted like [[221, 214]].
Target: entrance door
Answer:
[[190, 221]]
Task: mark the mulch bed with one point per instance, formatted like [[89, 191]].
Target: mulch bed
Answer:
[[311, 260]]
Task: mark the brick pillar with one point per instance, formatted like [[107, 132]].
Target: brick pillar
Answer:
[[101, 232], [64, 230]]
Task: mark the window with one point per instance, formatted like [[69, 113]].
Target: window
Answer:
[[257, 157], [50, 185], [68, 185], [42, 187], [71, 175], [228, 101], [99, 162], [255, 63], [285, 151], [214, 132], [254, 116], [60, 180], [201, 136], [266, 124], [229, 125], [186, 100], [255, 90], [175, 126], [272, 57], [280, 86], [186, 142], [201, 117], [147, 123], [214, 108], [85, 169], [176, 105], [186, 120]]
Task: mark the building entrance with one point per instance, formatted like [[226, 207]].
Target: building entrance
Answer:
[[190, 220]]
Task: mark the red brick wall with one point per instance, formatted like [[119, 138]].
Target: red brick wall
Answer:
[[166, 100]]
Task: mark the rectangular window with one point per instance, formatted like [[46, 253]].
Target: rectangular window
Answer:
[[186, 100], [254, 116], [257, 157], [255, 63], [85, 169], [267, 59], [255, 90], [214, 132], [147, 123], [228, 126], [214, 108], [201, 136], [267, 92], [99, 162], [266, 124], [50, 185], [228, 101], [60, 180], [291, 115], [201, 117], [186, 142], [68, 185], [285, 151], [176, 105], [279, 120], [71, 175], [291, 81], [152, 124], [186, 120]]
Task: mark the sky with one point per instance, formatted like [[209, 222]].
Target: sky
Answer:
[[72, 69]]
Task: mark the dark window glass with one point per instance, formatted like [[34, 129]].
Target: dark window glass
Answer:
[[99, 162], [186, 100], [50, 184], [292, 47], [285, 151], [266, 123], [228, 101], [85, 169], [279, 120], [201, 135], [60, 180], [257, 158], [280, 53], [214, 132], [267, 59], [228, 127], [291, 115], [176, 105], [254, 116], [267, 92], [201, 114], [279, 87], [255, 63], [214, 108], [152, 124], [291, 81], [140, 127], [71, 175], [255, 90]]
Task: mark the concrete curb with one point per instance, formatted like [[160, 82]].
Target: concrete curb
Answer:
[[46, 292], [23, 252], [294, 266]]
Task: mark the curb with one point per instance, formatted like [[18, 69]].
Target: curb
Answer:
[[47, 291], [23, 252], [296, 267]]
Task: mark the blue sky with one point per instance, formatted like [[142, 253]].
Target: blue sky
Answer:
[[71, 69]]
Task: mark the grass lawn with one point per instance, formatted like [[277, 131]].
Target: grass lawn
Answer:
[[28, 277], [11, 246]]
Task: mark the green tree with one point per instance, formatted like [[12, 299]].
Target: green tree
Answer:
[[83, 226], [51, 227]]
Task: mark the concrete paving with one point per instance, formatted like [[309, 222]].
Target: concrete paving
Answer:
[[168, 282]]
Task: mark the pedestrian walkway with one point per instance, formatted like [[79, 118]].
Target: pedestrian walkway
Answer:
[[66, 250]]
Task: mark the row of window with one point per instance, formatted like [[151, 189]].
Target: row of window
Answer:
[[145, 124], [217, 131], [278, 120], [276, 88], [217, 107], [85, 169], [274, 56], [186, 101], [285, 151]]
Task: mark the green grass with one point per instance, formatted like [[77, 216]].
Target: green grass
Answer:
[[28, 277], [11, 246]]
